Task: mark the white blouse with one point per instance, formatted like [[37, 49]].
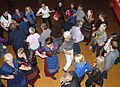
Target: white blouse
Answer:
[[5, 22], [44, 12]]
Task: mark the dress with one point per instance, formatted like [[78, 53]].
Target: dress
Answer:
[[19, 79], [51, 63], [33, 74], [87, 29]]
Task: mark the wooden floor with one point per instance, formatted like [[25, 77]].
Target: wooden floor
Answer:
[[97, 6]]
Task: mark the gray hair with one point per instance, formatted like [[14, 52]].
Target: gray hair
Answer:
[[44, 26]]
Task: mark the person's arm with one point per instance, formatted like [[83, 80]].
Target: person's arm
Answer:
[[89, 68], [49, 10], [94, 73], [39, 13], [7, 77], [23, 67]]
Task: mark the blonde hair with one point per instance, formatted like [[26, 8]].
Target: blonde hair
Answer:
[[100, 63], [81, 58], [31, 30], [7, 57], [91, 17], [26, 9]]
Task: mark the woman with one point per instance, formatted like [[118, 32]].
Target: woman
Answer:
[[30, 18], [12, 72], [96, 76], [5, 20], [87, 26], [59, 10], [71, 13], [67, 49], [44, 12], [18, 16], [49, 52], [45, 33], [81, 66], [77, 36], [101, 19], [99, 39], [69, 79], [27, 58], [33, 39]]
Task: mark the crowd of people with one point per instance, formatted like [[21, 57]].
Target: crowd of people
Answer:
[[63, 36]]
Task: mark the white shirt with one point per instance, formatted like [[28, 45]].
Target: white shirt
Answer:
[[33, 41], [44, 12], [5, 22]]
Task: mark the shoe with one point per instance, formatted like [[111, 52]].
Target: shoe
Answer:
[[90, 47], [54, 78], [64, 70]]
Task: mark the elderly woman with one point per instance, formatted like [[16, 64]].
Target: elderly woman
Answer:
[[96, 76], [49, 52], [67, 49], [69, 79], [27, 58], [12, 72], [81, 66], [33, 39], [45, 33]]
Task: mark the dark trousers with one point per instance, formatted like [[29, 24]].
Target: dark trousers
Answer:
[[1, 32], [90, 82], [96, 48], [76, 48], [105, 74], [49, 21], [80, 79]]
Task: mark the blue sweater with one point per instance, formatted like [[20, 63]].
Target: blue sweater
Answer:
[[80, 68]]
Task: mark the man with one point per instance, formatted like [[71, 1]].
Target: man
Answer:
[[111, 57]]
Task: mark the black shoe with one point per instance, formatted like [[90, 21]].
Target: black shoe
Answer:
[[64, 71], [54, 78]]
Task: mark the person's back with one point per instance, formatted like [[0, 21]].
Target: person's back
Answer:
[[110, 59], [44, 35], [33, 40]]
